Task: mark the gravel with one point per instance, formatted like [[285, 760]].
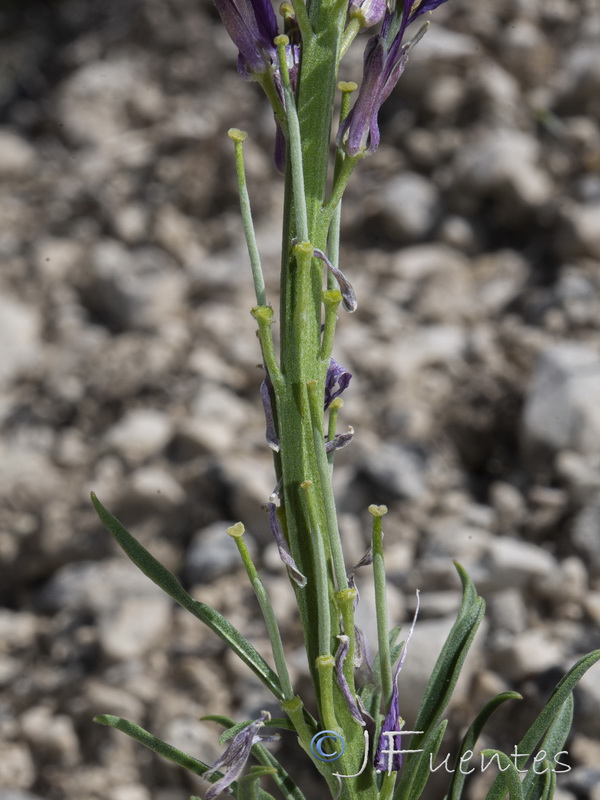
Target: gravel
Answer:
[[129, 367]]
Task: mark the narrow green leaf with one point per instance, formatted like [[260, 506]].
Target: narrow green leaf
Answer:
[[444, 676], [423, 771], [508, 781], [153, 743], [167, 750], [564, 687], [161, 576], [535, 784], [470, 740]]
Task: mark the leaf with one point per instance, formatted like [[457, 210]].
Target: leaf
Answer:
[[535, 784], [444, 676], [508, 781], [470, 740], [169, 584], [430, 746], [552, 708], [153, 743], [167, 750]]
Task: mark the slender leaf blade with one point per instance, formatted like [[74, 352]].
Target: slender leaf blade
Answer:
[[508, 781], [470, 740], [165, 579]]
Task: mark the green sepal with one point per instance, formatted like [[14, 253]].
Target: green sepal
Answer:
[[470, 739], [444, 676], [508, 781], [165, 579]]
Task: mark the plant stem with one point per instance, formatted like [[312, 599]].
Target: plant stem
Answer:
[[237, 532], [385, 661], [238, 137]]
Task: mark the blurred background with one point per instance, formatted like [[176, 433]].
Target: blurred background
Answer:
[[129, 366]]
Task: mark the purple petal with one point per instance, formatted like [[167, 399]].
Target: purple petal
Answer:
[[337, 375], [369, 12], [284, 552], [384, 760], [271, 432], [234, 759], [252, 25], [340, 658]]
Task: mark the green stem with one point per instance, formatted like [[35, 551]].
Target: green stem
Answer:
[[294, 141], [264, 317], [349, 35], [333, 238], [238, 137], [385, 660], [316, 411], [331, 300], [237, 531], [324, 617]]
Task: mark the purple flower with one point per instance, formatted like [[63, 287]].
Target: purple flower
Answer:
[[384, 62], [234, 759], [367, 12], [336, 376], [252, 25], [388, 758], [348, 296]]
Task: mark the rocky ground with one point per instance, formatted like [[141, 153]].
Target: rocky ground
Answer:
[[128, 366]]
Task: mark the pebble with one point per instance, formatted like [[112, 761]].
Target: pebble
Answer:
[[513, 563], [525, 655], [504, 163], [19, 337], [212, 553], [409, 207], [561, 411], [135, 626], [397, 470], [52, 735], [141, 434], [18, 159]]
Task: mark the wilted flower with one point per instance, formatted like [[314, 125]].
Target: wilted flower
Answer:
[[282, 547], [388, 758], [266, 388], [234, 759], [336, 376], [384, 62], [340, 660]]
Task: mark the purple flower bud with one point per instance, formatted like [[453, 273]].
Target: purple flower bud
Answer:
[[252, 26], [234, 759], [282, 546], [336, 376], [384, 61], [367, 12]]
